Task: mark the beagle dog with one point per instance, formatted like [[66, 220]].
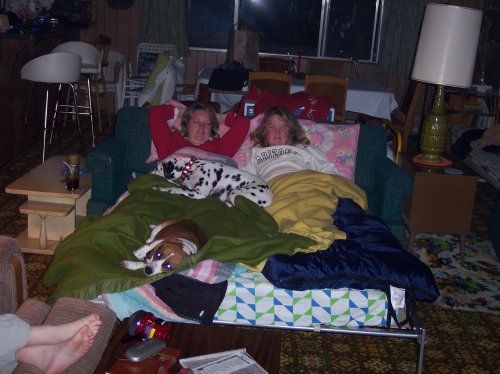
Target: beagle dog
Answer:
[[167, 245]]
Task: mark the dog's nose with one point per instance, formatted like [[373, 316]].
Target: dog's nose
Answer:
[[148, 270]]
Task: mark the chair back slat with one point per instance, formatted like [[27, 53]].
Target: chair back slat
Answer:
[[279, 83]]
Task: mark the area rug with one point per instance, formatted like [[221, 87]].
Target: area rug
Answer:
[[471, 286]]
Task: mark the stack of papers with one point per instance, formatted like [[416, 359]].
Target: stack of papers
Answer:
[[235, 361]]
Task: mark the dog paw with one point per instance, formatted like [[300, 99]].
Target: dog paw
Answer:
[[132, 265]]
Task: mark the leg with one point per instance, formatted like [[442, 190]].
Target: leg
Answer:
[[26, 116], [91, 111], [56, 358], [43, 232], [45, 129], [49, 334], [462, 248], [15, 334], [193, 194], [77, 117], [411, 239]]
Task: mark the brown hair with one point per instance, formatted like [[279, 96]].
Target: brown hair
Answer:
[[296, 133], [188, 113]]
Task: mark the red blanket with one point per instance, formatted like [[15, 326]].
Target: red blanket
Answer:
[[303, 105]]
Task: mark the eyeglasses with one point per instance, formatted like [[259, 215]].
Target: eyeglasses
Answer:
[[281, 129]]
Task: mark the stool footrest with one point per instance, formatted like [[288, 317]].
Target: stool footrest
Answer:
[[46, 209]]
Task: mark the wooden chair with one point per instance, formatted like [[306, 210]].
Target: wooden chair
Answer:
[[401, 123], [279, 83], [318, 66], [335, 87], [276, 64]]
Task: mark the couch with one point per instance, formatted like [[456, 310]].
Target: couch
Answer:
[[14, 299], [487, 165], [114, 161]]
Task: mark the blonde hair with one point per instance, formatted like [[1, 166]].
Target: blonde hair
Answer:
[[296, 134], [188, 113]]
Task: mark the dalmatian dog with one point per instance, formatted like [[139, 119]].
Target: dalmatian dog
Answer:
[[201, 178]]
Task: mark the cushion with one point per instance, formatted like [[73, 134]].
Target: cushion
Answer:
[[338, 142]]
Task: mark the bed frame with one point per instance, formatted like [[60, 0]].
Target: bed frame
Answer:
[[419, 334]]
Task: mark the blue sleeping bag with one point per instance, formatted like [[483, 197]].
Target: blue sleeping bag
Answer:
[[370, 257]]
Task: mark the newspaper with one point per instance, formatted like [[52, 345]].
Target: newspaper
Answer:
[[228, 362]]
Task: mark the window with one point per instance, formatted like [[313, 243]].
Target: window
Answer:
[[326, 28]]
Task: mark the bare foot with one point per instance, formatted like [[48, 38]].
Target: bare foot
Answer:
[[56, 358], [67, 330], [70, 351], [53, 334]]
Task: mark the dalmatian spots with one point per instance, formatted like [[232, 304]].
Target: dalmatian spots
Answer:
[[201, 178]]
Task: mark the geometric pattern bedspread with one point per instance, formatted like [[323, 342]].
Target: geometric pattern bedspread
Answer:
[[250, 299]]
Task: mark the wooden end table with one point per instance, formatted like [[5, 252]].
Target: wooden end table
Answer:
[[440, 202], [264, 345], [52, 210]]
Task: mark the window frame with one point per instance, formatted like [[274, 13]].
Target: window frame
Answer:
[[322, 33]]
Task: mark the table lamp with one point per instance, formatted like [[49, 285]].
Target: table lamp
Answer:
[[446, 54]]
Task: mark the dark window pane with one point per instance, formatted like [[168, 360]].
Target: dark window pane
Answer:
[[350, 29], [209, 22], [284, 26]]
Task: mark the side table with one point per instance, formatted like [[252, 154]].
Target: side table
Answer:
[[52, 210], [440, 202]]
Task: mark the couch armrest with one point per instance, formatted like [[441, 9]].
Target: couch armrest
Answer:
[[33, 311], [393, 185], [68, 309], [12, 275], [105, 164]]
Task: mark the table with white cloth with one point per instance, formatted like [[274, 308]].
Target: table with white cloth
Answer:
[[363, 96]]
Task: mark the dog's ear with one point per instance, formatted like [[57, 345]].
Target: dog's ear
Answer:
[[168, 170], [188, 246]]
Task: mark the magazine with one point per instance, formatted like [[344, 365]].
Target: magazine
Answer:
[[235, 361]]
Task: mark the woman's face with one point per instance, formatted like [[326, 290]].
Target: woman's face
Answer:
[[199, 127], [277, 131]]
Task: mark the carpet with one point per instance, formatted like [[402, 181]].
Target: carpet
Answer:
[[471, 286]]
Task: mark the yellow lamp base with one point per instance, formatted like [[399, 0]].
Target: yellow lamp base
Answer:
[[435, 130]]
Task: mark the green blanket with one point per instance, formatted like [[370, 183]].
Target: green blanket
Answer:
[[87, 262]]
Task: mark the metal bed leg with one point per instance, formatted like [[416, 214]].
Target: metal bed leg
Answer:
[[421, 340]]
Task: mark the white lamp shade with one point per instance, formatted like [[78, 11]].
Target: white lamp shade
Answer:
[[447, 46]]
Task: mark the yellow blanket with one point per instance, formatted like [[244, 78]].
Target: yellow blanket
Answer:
[[304, 201]]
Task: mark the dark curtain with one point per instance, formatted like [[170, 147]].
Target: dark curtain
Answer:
[[164, 22], [399, 36]]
